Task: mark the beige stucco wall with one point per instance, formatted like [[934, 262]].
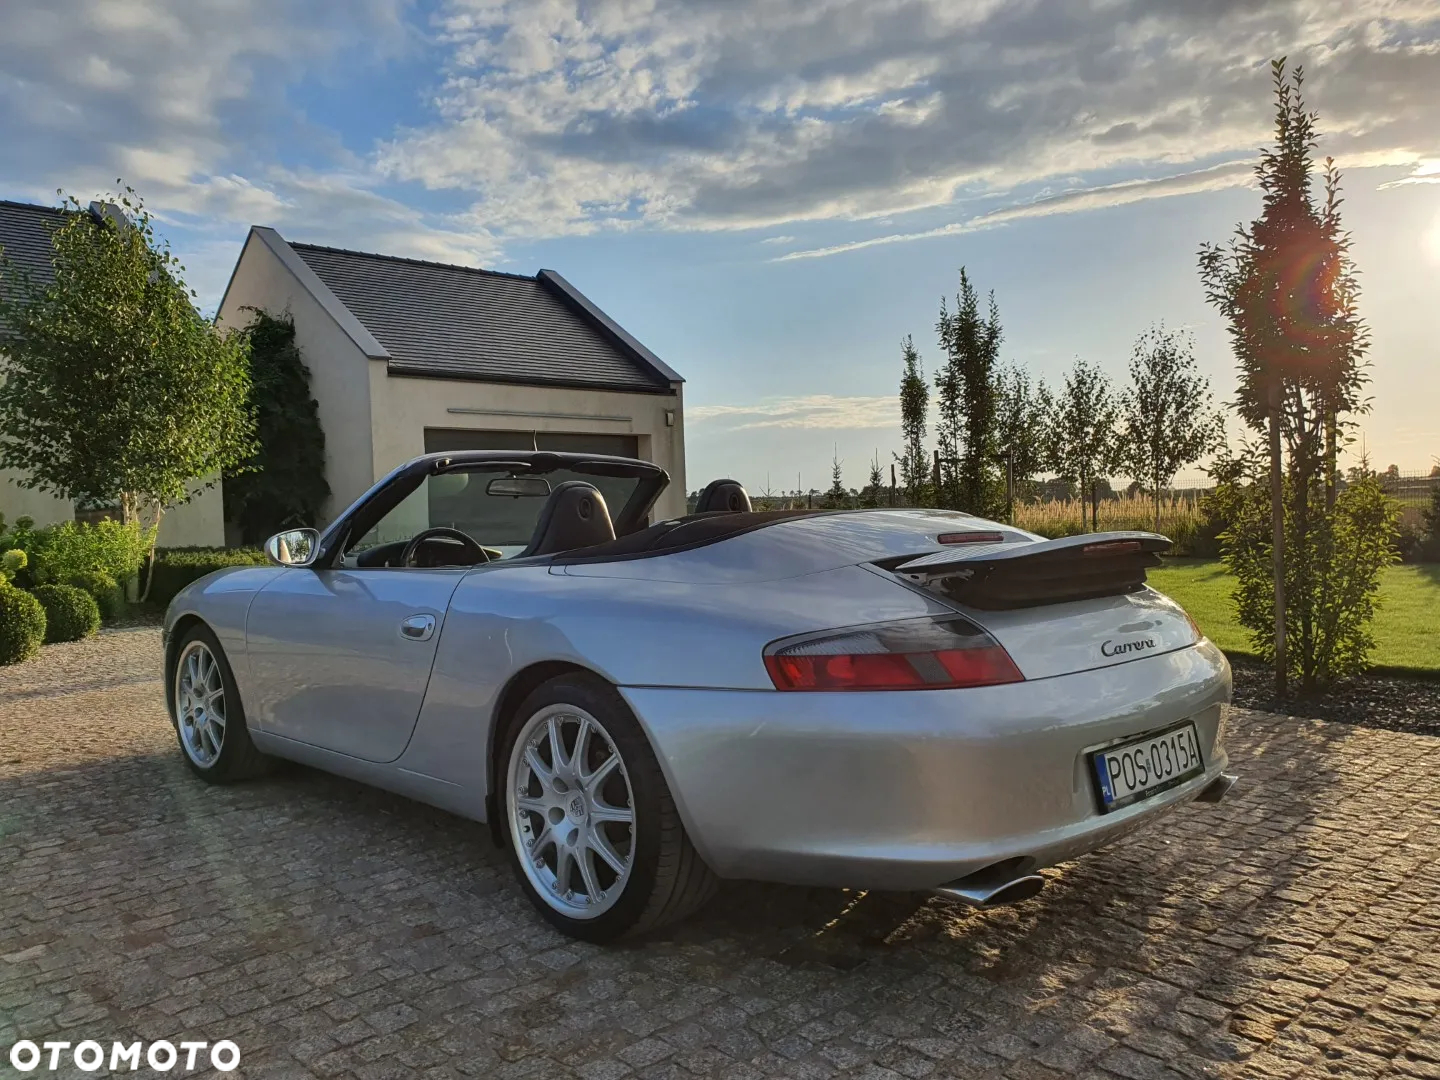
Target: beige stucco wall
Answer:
[[18, 502], [339, 378], [404, 407], [198, 523]]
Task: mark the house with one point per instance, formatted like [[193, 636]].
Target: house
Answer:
[[25, 243], [409, 357]]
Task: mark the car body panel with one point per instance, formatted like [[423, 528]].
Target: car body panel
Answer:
[[799, 546], [902, 789], [1087, 634], [221, 600], [328, 661], [913, 789]]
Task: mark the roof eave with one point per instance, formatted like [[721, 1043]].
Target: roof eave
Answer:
[[310, 281], [402, 370], [621, 337]]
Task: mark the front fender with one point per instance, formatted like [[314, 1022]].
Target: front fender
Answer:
[[221, 601]]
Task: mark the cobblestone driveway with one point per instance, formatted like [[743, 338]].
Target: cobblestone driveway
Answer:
[[334, 931]]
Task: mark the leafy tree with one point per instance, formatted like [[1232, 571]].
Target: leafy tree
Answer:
[[1166, 414], [1288, 289], [1082, 431], [966, 390], [1354, 541], [114, 386], [914, 414], [1022, 412], [282, 484]]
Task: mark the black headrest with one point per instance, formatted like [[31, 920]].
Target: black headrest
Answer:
[[723, 495], [574, 516]]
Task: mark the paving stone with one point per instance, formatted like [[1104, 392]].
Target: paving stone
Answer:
[[336, 931]]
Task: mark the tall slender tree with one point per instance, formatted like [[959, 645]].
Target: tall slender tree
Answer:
[[967, 394], [949, 392], [914, 416], [1082, 432], [874, 483], [1166, 412], [1022, 413], [837, 496], [1288, 289]]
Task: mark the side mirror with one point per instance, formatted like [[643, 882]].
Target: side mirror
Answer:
[[294, 547]]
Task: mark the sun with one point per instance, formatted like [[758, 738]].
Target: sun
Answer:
[[1430, 241]]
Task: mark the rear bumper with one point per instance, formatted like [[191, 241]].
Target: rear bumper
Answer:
[[909, 790]]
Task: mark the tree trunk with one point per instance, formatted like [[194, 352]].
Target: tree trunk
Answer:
[[1010, 487], [1157, 508], [1331, 453], [1095, 505], [1277, 538], [150, 559]]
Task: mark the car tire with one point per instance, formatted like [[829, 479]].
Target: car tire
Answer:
[[207, 714], [663, 879]]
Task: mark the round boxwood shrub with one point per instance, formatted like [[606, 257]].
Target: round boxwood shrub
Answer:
[[108, 595], [70, 613], [22, 625]]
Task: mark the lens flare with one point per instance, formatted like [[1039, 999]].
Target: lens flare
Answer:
[[1431, 241]]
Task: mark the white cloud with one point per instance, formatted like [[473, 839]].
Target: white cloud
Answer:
[[1425, 172], [185, 100], [1230, 174], [562, 116], [824, 411]]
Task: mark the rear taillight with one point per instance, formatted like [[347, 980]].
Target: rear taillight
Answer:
[[917, 654]]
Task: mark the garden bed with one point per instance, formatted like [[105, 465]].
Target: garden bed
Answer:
[[1401, 693], [1393, 702]]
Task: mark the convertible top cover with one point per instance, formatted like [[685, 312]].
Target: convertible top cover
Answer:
[[681, 534]]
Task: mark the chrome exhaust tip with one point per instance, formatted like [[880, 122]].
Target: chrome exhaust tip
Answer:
[[978, 891], [1217, 789]]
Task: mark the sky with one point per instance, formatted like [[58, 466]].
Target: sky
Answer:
[[770, 194]]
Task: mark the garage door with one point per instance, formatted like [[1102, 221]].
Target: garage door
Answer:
[[441, 440]]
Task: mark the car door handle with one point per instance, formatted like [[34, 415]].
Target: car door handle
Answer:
[[417, 627]]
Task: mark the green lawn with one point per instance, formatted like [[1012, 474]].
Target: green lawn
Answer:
[[1407, 625]]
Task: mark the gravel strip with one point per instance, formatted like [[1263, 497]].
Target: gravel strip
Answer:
[[1389, 702]]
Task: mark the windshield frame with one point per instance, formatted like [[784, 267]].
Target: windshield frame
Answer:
[[390, 491]]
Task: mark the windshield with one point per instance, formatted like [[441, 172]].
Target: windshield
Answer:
[[482, 503]]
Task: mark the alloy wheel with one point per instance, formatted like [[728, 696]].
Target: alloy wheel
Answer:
[[572, 811], [200, 704]]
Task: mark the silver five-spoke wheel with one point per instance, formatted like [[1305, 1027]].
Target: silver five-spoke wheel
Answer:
[[573, 808], [200, 704]]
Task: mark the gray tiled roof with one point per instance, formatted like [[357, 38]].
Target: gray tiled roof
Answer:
[[459, 322], [25, 239]]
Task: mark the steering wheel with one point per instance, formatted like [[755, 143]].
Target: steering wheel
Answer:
[[463, 539]]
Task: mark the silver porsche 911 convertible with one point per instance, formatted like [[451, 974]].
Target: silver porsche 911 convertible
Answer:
[[888, 699]]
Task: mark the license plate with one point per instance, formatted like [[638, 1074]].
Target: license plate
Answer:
[[1146, 766]]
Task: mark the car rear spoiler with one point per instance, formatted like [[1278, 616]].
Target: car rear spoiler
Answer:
[[995, 577]]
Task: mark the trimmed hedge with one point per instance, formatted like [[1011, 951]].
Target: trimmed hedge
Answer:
[[107, 593], [22, 625], [174, 568], [70, 613]]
